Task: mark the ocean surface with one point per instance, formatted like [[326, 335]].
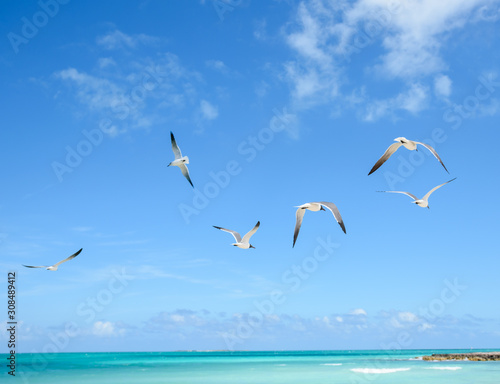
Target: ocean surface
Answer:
[[270, 367]]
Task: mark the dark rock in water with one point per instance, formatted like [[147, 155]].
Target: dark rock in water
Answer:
[[473, 356]]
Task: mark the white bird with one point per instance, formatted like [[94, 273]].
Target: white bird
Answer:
[[408, 144], [319, 206], [241, 243], [423, 202], [54, 267], [180, 161]]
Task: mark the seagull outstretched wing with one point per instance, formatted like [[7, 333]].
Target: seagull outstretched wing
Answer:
[[388, 153], [235, 234]]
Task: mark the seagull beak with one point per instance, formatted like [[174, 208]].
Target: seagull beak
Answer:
[[251, 246]]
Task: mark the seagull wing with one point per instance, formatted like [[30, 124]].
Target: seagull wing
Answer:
[[433, 189], [185, 172], [235, 234], [333, 209], [405, 193], [68, 258], [299, 215], [175, 147], [32, 266], [247, 237], [433, 151], [392, 148]]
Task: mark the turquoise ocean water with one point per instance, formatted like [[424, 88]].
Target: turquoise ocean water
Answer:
[[304, 367]]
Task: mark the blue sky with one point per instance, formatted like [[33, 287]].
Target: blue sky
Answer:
[[276, 104]]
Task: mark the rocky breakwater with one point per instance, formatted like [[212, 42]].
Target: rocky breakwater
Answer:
[[472, 356]]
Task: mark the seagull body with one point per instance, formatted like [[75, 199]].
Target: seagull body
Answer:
[[243, 243], [315, 207], [56, 265], [408, 144], [423, 202], [180, 161]]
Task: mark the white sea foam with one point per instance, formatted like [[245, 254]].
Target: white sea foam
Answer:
[[379, 370], [445, 368], [332, 364], [281, 365]]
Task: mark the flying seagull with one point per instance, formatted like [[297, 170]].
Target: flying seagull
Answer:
[[319, 206], [54, 267], [408, 144], [242, 243], [423, 202], [180, 161]]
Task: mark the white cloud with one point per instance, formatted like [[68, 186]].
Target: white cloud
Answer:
[[413, 100], [259, 31], [408, 317], [261, 89], [93, 91], [221, 67], [442, 86], [124, 97], [217, 65], [191, 327], [489, 109], [417, 31], [148, 272], [425, 326], [106, 62], [313, 76], [309, 40], [117, 39], [104, 328], [409, 36], [358, 312], [208, 111], [177, 318]]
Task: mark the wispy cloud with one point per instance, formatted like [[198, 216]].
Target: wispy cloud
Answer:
[[106, 62], [359, 311], [208, 110], [198, 329], [150, 271], [117, 39], [326, 36], [217, 65], [126, 96], [442, 86], [108, 329]]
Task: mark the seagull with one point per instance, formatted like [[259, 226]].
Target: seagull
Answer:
[[319, 206], [242, 243], [54, 267], [180, 161], [423, 202], [408, 144]]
